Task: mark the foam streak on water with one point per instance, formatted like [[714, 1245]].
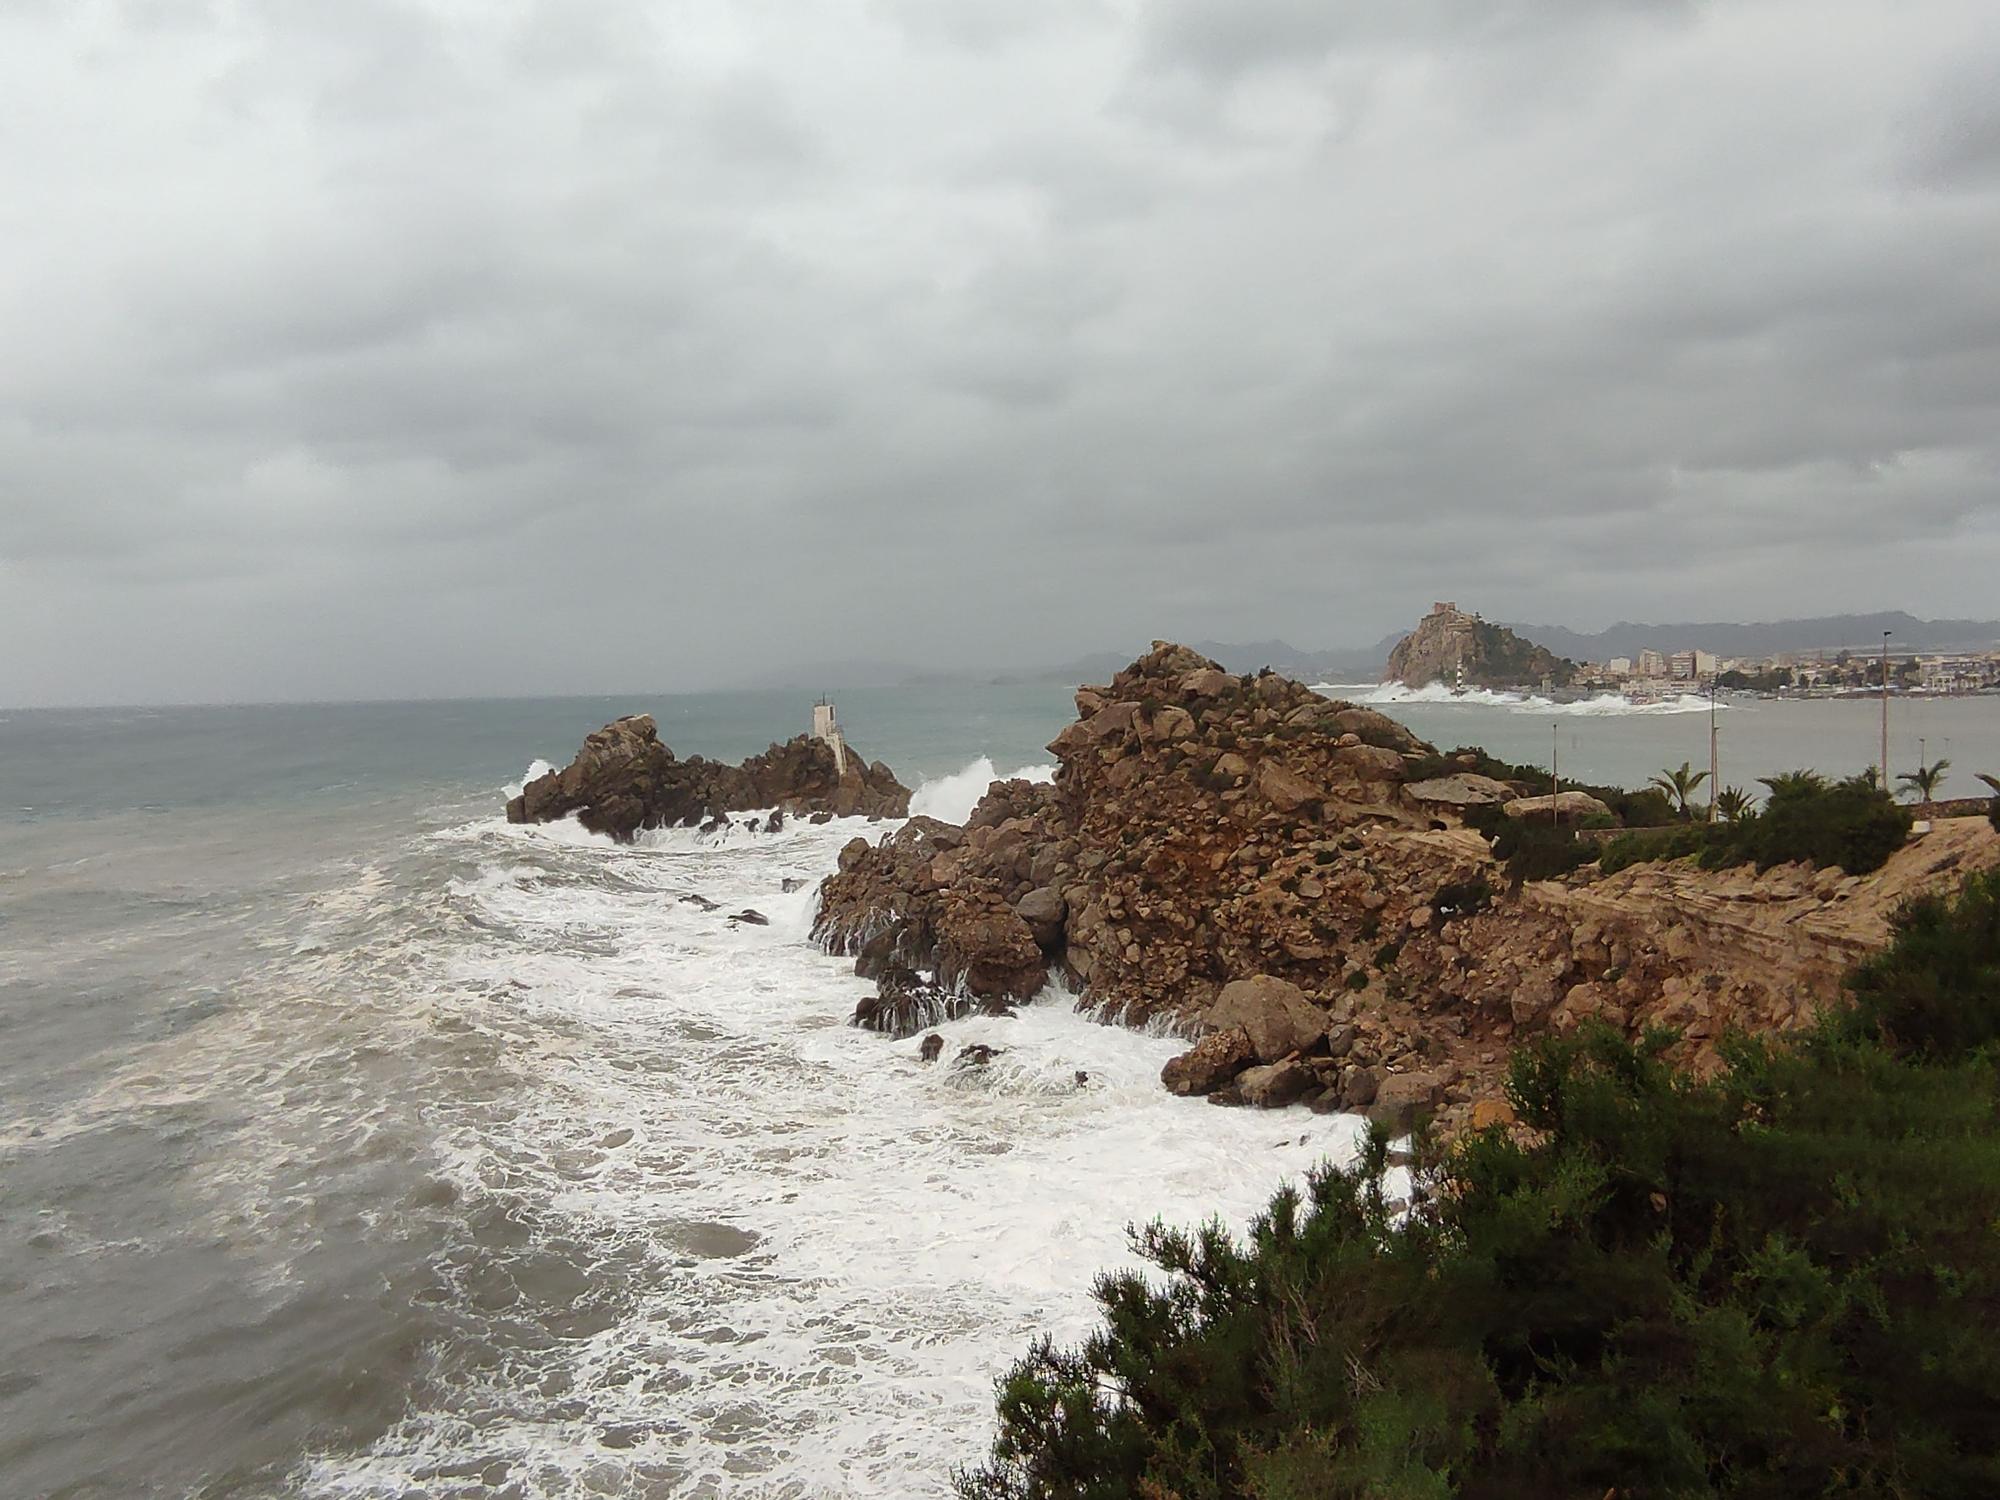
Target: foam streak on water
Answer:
[[1600, 705], [748, 1249]]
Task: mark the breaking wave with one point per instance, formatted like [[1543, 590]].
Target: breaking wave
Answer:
[[1382, 694], [727, 1244], [950, 799], [536, 770]]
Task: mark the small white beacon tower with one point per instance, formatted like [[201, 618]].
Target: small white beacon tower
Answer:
[[826, 727]]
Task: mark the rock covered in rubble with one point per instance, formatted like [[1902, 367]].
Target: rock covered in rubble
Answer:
[[1289, 881], [624, 780], [1201, 828]]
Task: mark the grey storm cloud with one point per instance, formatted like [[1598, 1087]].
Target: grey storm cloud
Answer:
[[409, 347]]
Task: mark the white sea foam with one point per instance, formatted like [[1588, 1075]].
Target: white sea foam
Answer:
[[950, 799], [1382, 694], [816, 1252]]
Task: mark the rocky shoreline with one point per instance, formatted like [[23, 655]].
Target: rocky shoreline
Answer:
[[1290, 882]]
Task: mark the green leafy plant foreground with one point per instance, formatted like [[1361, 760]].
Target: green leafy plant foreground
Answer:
[[1781, 1282]]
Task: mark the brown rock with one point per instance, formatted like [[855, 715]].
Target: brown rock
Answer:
[[623, 780], [984, 946], [1403, 1098], [1358, 1086], [1207, 682], [1283, 789], [1210, 1063], [1569, 807], [1044, 910], [1273, 1012], [1460, 791], [1275, 1084]]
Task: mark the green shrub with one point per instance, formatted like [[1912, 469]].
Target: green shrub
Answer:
[[1849, 824], [1936, 990], [1461, 898], [1674, 842], [1781, 1282], [1532, 850], [1852, 824]]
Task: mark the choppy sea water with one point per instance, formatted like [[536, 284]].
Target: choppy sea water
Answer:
[[353, 1143]]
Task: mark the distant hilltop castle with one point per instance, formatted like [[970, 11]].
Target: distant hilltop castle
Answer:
[[1454, 646]]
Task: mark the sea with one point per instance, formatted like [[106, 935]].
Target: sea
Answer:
[[355, 1143]]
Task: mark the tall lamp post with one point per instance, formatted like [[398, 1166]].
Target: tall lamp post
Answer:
[[1885, 712], [1714, 785]]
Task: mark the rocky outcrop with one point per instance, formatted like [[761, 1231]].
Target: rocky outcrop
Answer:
[[1273, 1013], [624, 779], [1563, 807], [1451, 646], [1212, 1062], [1250, 863], [1459, 792]]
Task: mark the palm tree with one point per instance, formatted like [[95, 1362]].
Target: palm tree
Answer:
[[1992, 781], [1733, 803], [1925, 780], [1681, 785]]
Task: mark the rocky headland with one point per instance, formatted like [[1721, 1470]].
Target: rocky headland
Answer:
[[624, 780], [1453, 646], [1291, 883]]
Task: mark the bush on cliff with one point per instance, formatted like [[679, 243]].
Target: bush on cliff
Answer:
[[1531, 850], [1851, 824], [1781, 1282]]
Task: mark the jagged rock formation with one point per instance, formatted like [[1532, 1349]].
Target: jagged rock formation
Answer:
[[1205, 829], [624, 779], [1449, 642]]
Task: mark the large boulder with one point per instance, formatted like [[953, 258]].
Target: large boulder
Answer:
[[1568, 807], [1274, 1013], [1403, 1099], [1044, 910], [1209, 1063], [1284, 789], [1460, 791], [985, 947], [610, 784], [1276, 1084]]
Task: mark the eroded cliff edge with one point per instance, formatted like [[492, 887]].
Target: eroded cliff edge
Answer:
[[1287, 878]]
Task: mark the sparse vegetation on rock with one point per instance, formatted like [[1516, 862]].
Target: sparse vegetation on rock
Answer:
[[1782, 1281]]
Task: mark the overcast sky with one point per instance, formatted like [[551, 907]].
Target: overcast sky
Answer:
[[411, 347]]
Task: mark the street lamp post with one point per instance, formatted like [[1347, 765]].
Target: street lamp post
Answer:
[[1714, 770], [1555, 780], [1885, 712]]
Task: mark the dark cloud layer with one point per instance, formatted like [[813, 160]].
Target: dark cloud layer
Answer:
[[416, 346]]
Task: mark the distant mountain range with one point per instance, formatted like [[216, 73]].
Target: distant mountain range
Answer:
[[1767, 638], [1341, 664], [1829, 633]]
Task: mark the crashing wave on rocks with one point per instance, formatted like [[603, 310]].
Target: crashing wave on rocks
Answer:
[[1598, 705]]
